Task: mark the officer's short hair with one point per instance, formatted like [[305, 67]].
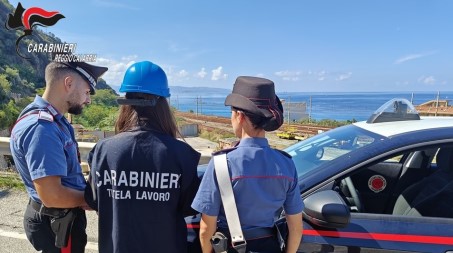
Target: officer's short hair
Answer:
[[56, 70]]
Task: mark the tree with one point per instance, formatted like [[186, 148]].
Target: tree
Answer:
[[5, 85], [40, 91], [5, 89], [12, 72], [108, 122], [105, 97], [102, 112], [8, 114], [93, 116]]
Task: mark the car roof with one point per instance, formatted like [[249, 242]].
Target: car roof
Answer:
[[389, 129]]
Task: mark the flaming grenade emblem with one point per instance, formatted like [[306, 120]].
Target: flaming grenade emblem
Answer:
[[26, 19]]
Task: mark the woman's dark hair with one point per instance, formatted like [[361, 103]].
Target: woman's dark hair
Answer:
[[257, 121], [158, 117]]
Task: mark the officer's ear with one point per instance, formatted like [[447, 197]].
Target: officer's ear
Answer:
[[240, 116], [68, 82]]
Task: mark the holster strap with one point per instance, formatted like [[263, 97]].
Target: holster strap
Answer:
[[52, 212]]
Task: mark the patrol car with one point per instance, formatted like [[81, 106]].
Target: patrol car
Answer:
[[381, 185]]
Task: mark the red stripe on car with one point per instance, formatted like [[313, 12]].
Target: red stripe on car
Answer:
[[383, 237]]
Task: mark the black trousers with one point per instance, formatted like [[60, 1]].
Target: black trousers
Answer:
[[39, 233]]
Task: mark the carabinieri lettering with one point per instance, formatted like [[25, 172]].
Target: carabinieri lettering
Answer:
[[138, 179]]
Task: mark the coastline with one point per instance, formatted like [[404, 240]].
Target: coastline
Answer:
[[340, 106]]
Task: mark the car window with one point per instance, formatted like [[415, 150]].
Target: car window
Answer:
[[329, 146], [415, 183], [394, 159]]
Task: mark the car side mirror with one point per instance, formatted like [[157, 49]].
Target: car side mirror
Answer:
[[326, 209]]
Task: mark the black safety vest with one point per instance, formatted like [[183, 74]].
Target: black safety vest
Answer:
[[144, 183]]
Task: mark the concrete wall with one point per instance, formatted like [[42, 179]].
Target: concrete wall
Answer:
[[189, 130], [84, 147]]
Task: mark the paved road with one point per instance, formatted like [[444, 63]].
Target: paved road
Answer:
[[12, 237]]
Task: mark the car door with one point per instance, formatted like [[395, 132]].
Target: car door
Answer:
[[381, 233], [430, 230]]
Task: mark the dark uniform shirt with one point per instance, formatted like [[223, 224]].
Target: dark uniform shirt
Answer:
[[43, 144], [143, 184], [264, 180]]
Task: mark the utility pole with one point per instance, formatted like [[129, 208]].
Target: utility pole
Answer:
[[289, 110], [437, 103], [309, 114], [196, 111]]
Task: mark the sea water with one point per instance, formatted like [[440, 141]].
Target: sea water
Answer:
[[335, 106]]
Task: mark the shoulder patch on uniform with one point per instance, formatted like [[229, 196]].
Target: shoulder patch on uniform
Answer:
[[224, 151], [45, 116], [284, 153]]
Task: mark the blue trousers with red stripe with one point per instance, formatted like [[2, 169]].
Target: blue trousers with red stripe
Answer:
[[39, 233]]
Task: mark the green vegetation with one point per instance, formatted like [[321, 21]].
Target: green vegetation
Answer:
[[102, 112], [327, 122], [8, 114], [21, 79], [215, 135], [11, 180]]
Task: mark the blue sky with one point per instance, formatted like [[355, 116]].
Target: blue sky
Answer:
[[313, 46]]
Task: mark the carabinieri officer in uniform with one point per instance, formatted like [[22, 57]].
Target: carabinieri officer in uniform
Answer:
[[143, 179], [264, 179], [46, 155]]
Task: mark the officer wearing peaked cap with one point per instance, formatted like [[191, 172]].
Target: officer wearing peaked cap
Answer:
[[263, 179], [89, 72], [143, 179], [46, 155]]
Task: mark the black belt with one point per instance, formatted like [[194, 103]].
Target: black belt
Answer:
[[53, 212], [253, 234]]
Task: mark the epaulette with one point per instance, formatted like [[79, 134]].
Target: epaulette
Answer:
[[224, 151], [45, 116], [42, 115], [284, 153]]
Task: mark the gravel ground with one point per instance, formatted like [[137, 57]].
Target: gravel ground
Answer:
[[12, 237], [225, 125]]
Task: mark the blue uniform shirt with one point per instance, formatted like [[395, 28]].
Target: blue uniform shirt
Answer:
[[264, 180], [43, 144]]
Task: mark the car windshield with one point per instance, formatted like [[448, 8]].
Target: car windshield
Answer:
[[329, 146]]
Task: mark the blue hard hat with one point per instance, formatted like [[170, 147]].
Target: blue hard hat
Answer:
[[145, 77]]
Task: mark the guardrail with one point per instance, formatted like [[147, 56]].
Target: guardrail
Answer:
[[84, 147]]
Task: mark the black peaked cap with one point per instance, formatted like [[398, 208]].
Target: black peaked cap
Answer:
[[257, 95]]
